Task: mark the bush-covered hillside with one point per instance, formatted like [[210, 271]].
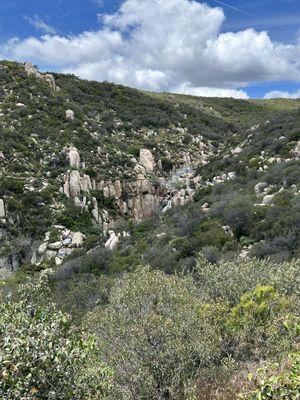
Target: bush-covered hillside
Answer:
[[226, 155]]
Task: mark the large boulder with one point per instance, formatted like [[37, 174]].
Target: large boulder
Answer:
[[268, 200], [77, 239], [70, 115], [237, 150], [74, 157], [232, 175], [95, 210], [55, 245], [147, 160], [6, 270], [86, 183], [42, 248]]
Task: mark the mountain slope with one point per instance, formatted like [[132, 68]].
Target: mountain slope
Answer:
[[80, 161]]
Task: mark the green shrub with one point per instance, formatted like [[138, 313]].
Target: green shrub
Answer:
[[41, 355], [153, 335], [271, 384]]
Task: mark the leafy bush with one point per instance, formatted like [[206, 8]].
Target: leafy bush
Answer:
[[272, 384], [263, 323], [153, 335], [41, 355]]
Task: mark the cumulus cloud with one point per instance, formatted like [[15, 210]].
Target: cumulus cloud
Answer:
[[278, 94], [40, 25], [166, 45]]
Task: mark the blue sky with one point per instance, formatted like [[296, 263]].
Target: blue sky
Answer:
[[68, 19]]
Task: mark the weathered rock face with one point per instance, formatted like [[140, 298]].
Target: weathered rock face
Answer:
[[74, 157], [138, 199], [147, 160], [143, 206], [70, 114]]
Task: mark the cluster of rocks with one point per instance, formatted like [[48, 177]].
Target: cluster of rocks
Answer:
[[65, 244], [230, 176], [267, 192], [48, 78], [262, 191]]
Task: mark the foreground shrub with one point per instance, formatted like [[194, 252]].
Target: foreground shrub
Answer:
[[273, 385], [41, 356], [263, 324], [154, 335]]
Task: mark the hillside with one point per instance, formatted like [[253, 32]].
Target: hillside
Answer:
[[85, 158], [149, 243]]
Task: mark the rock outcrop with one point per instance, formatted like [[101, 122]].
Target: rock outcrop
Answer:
[[147, 160], [75, 184], [74, 157], [48, 78]]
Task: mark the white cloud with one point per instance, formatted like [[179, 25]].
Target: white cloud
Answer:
[[278, 94], [210, 92], [168, 45], [40, 25]]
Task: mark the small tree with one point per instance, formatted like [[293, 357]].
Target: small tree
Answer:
[[154, 334]]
